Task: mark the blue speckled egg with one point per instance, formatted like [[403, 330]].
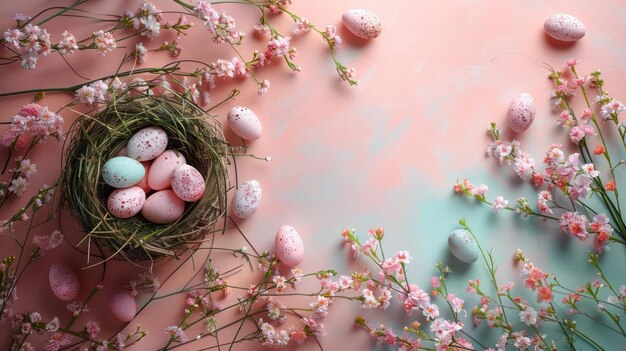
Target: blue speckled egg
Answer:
[[122, 172], [463, 246]]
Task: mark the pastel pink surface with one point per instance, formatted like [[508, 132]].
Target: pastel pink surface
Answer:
[[123, 305], [188, 183], [381, 153], [127, 202], [163, 207], [63, 282], [147, 144], [288, 246], [162, 168]]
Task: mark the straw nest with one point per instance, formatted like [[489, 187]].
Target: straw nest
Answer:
[[97, 138]]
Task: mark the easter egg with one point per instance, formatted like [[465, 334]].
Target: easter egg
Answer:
[[362, 23], [123, 305], [288, 246], [147, 144], [160, 175], [63, 282], [163, 207], [564, 27], [127, 202], [122, 172], [463, 246], [188, 183], [521, 112], [244, 122], [143, 183], [247, 199]]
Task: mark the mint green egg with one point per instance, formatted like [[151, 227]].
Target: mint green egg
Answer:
[[122, 172], [463, 246]]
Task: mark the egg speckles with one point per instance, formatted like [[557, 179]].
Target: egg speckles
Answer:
[[160, 175], [163, 207], [63, 282], [122, 172], [123, 305], [288, 246], [127, 202], [564, 27], [244, 122], [362, 23], [463, 246], [188, 183], [147, 144], [247, 199], [521, 112]]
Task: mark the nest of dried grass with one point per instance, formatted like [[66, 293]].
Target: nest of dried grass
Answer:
[[97, 138]]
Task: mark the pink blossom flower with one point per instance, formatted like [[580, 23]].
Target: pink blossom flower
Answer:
[[104, 42], [479, 190], [575, 225], [331, 35], [302, 25], [140, 53], [264, 87], [499, 203], [528, 316], [68, 44], [92, 329], [46, 242]]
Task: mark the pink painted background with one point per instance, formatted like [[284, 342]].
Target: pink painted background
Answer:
[[384, 153]]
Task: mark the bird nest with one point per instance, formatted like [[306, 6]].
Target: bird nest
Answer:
[[97, 138]]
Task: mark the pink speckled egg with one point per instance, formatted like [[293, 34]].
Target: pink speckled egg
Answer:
[[244, 122], [564, 27], [127, 202], [288, 246], [362, 23], [147, 144], [123, 305], [160, 175], [63, 282], [247, 199], [163, 207], [143, 183], [188, 183], [521, 112]]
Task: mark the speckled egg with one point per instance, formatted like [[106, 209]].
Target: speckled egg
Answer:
[[244, 122], [122, 172], [288, 246], [143, 183], [463, 246], [564, 27], [160, 175], [362, 23], [521, 112], [123, 305], [188, 183], [247, 199], [163, 207], [127, 202], [147, 144], [63, 282]]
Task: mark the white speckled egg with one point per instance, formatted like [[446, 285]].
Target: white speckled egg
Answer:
[[122, 172], [188, 183], [521, 112], [160, 175], [127, 202], [564, 27], [247, 199], [123, 305], [463, 246], [288, 246], [143, 183], [163, 207], [63, 282], [362, 23], [244, 122], [147, 144]]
